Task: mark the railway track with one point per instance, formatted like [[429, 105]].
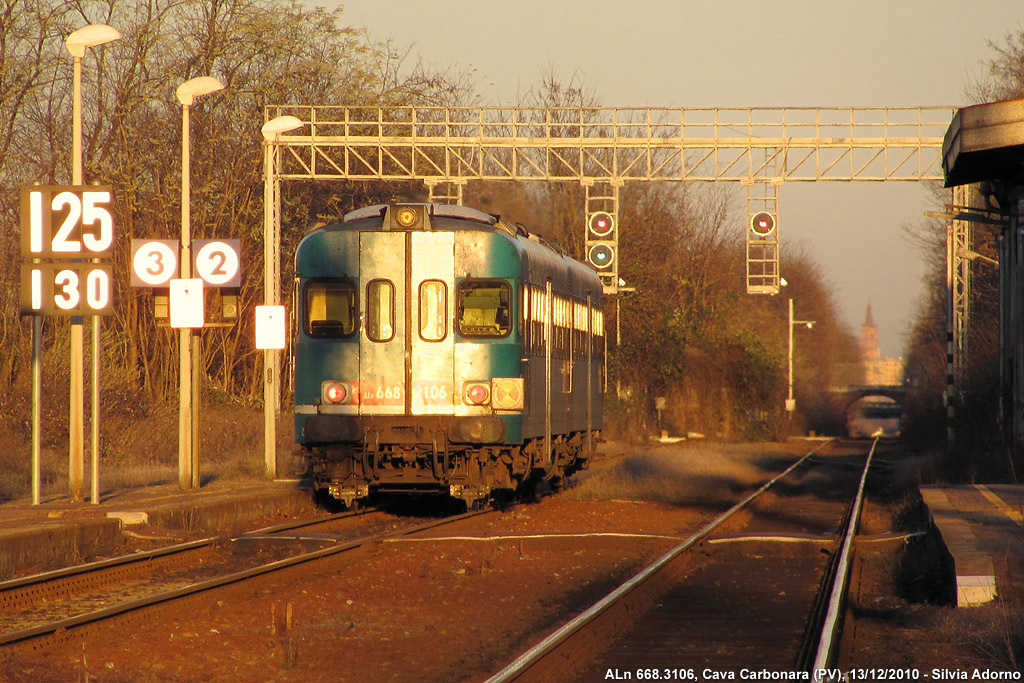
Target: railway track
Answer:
[[58, 602], [768, 599]]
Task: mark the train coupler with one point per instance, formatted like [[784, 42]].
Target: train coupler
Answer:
[[473, 495], [348, 494]]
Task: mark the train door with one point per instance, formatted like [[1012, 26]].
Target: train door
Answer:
[[382, 278], [431, 337]]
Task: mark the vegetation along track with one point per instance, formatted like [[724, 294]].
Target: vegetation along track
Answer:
[[759, 587], [58, 602]]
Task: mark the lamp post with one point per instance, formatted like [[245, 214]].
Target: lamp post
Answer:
[[188, 340], [77, 43], [790, 401], [972, 255], [271, 130]]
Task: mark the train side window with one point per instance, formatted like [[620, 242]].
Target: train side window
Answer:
[[331, 309], [522, 302], [484, 308], [433, 310], [380, 310]]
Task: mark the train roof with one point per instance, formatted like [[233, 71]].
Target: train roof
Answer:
[[545, 257], [439, 210]]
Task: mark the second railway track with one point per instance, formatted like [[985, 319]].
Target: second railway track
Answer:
[[726, 599], [53, 602]]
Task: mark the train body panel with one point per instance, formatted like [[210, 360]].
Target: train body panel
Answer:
[[452, 353]]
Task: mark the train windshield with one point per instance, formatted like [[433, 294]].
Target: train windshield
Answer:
[[331, 308], [483, 308]]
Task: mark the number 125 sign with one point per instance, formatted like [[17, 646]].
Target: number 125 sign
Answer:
[[66, 222]]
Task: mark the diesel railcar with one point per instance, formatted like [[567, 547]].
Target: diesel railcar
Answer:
[[440, 349]]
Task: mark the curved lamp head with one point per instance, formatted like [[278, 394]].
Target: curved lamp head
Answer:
[[194, 87], [280, 124], [90, 36]]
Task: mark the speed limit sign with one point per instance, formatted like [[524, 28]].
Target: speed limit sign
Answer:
[[216, 262], [154, 262]]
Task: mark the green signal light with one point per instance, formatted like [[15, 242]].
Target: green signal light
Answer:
[[601, 255]]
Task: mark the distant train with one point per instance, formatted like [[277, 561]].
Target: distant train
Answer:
[[440, 349]]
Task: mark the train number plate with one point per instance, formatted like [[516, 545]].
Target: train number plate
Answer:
[[375, 392]]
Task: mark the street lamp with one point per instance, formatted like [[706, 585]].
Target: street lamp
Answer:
[[188, 340], [77, 43], [271, 131], [972, 255], [790, 401]]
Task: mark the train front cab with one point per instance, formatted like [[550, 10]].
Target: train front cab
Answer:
[[411, 371]]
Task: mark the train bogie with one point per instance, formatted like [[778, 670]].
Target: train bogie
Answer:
[[439, 349]]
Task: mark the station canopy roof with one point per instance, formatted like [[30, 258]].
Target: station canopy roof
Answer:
[[985, 142]]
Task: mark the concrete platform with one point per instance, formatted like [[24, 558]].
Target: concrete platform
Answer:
[[59, 532], [983, 527]]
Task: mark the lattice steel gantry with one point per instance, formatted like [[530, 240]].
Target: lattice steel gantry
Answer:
[[607, 147]]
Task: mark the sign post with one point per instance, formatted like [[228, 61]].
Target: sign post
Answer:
[[61, 227], [159, 264], [271, 335]]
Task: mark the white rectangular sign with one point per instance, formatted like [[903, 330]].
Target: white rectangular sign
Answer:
[[270, 327], [187, 302]]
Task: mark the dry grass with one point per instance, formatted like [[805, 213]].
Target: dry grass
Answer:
[[139, 452], [682, 474]]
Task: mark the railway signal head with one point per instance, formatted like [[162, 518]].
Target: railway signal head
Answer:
[[601, 224], [601, 255], [762, 223]]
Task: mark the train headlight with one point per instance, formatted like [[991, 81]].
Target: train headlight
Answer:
[[406, 217], [507, 393], [476, 393], [336, 392]]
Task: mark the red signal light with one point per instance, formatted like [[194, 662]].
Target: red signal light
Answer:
[[602, 223], [762, 223]]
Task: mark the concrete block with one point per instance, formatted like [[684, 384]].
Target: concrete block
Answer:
[[972, 591]]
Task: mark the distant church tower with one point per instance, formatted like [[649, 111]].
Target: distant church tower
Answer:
[[869, 351]]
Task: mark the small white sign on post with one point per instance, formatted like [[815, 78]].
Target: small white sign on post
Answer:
[[187, 302], [270, 327]]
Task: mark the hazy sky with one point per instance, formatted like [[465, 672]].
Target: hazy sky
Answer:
[[739, 53]]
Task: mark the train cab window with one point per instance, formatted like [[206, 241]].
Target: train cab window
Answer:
[[484, 308], [331, 308], [433, 310], [380, 310]]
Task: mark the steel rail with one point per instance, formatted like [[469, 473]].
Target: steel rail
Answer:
[[545, 646], [78, 569], [88, 567], [837, 596], [165, 596]]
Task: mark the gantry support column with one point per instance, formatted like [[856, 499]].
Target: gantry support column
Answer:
[[446, 191], [762, 243], [602, 237], [958, 296]]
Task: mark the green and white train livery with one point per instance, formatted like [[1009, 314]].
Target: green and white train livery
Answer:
[[440, 349]]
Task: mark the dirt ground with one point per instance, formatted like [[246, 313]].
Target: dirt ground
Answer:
[[456, 609]]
